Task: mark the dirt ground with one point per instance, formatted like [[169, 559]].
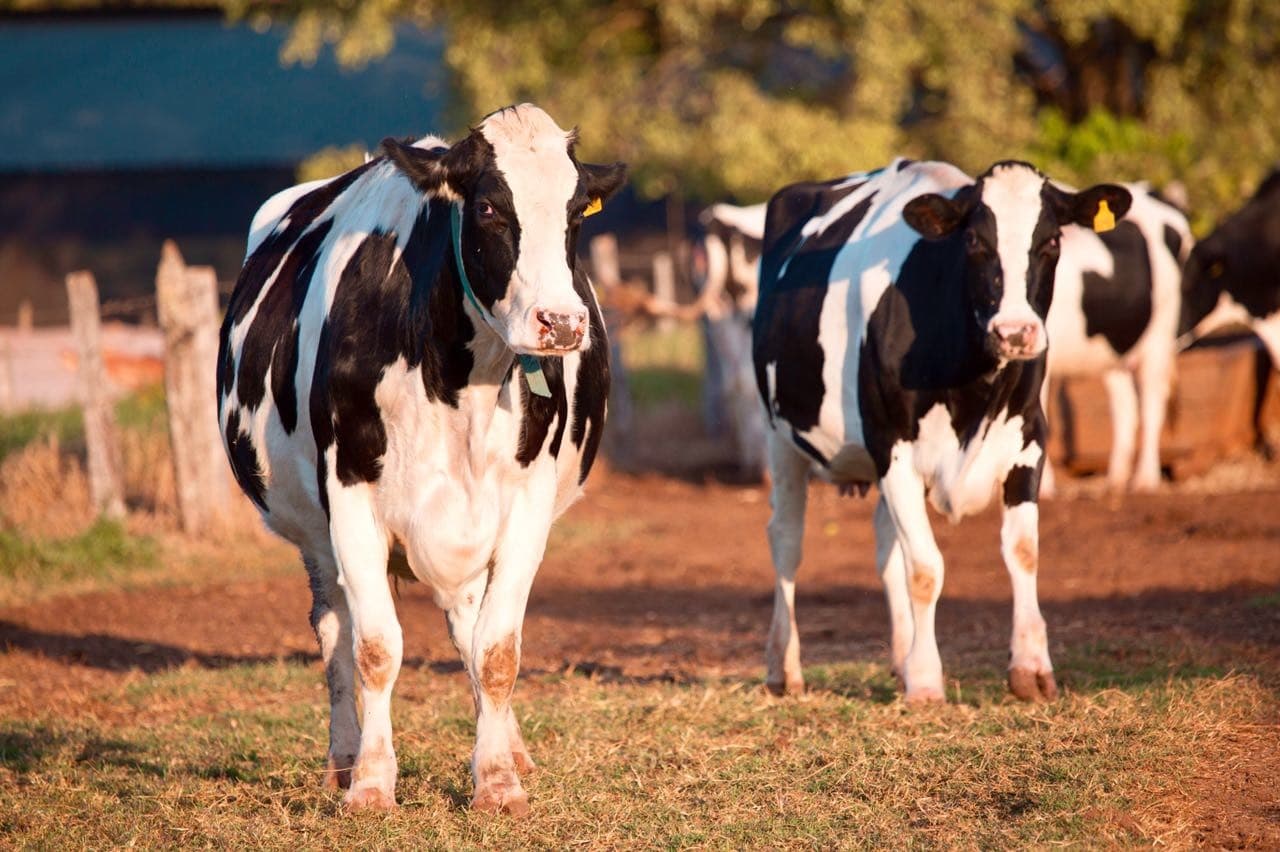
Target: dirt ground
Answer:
[[654, 578]]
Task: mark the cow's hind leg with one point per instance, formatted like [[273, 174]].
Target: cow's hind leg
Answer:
[[377, 643], [332, 623], [904, 497], [462, 625], [789, 471], [495, 644], [893, 575]]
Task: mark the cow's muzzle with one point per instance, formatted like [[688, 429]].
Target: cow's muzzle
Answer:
[[1017, 340], [560, 331]]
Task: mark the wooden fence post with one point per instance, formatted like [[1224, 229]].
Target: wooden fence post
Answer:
[[99, 416], [187, 304], [26, 316], [607, 273], [7, 402], [664, 285]]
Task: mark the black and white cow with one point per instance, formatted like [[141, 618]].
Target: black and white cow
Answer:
[[1116, 305], [371, 399], [1233, 275], [899, 339]]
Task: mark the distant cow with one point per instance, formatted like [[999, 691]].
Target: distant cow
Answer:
[[1115, 313], [413, 359], [732, 241], [1233, 275], [915, 363]]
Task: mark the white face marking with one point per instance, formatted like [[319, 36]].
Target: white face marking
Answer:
[[1013, 195], [532, 154]]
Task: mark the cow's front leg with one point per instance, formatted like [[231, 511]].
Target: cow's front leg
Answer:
[[893, 576], [790, 474], [377, 643], [1155, 378], [904, 497], [495, 646], [332, 624], [462, 618], [1123, 399], [1030, 671]]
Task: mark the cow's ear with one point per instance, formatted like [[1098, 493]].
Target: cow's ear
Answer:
[[431, 168], [935, 216], [1096, 207], [601, 182]]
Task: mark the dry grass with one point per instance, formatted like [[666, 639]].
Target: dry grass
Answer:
[[232, 758]]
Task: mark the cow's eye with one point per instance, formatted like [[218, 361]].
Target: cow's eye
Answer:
[[485, 210], [974, 243], [1051, 246]]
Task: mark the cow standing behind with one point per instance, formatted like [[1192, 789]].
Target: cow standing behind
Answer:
[[1233, 275], [915, 363], [1116, 306], [370, 402]]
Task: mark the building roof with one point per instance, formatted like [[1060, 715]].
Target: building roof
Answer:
[[191, 90]]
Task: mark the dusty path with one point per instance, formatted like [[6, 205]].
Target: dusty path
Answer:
[[658, 578]]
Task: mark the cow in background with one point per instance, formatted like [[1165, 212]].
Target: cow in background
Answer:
[[1233, 275], [1115, 314], [899, 338], [412, 362], [731, 245]]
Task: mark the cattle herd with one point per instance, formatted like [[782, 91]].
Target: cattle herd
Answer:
[[413, 372]]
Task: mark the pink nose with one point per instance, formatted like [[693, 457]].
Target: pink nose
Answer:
[[558, 330], [1016, 336]]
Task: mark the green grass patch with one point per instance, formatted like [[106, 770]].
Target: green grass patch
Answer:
[[141, 411], [101, 551], [665, 366], [233, 757]]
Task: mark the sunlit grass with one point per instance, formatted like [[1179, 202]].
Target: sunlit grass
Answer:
[[665, 366], [233, 758]]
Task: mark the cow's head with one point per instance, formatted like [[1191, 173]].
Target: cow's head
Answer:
[[523, 195], [1011, 224]]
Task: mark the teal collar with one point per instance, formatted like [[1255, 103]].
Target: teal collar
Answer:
[[532, 366]]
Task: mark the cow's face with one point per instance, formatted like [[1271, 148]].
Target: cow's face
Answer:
[[1230, 280], [523, 195], [1010, 223]]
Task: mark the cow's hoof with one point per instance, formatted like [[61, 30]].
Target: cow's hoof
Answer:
[[369, 799], [1030, 685], [501, 799], [337, 774], [524, 763], [790, 686], [919, 696]]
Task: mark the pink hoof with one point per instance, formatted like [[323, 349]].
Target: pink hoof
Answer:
[[369, 799], [924, 695], [502, 799], [524, 763], [1030, 685], [790, 686]]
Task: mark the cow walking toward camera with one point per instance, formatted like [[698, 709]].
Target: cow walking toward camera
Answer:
[[899, 339], [414, 366]]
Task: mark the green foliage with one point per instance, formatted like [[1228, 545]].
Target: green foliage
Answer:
[[737, 97], [329, 162]]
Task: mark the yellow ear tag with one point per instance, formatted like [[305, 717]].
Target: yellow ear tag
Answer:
[[593, 208], [1104, 220]]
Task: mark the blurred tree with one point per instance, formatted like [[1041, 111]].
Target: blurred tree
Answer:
[[709, 98]]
